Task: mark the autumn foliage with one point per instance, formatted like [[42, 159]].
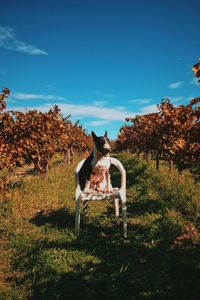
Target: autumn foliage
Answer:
[[33, 137], [173, 134]]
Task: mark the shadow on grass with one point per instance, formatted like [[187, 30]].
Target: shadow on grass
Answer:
[[100, 264], [60, 218], [138, 208]]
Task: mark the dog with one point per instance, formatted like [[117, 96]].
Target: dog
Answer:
[[94, 175]]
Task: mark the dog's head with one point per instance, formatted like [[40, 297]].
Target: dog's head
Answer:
[[102, 143]]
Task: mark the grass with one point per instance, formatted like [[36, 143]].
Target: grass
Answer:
[[41, 258]]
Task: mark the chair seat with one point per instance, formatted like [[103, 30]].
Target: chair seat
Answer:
[[100, 196]]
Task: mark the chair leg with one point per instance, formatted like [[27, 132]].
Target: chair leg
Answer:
[[116, 205], [124, 215], [77, 216], [85, 212]]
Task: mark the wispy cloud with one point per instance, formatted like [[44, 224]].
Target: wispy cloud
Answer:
[[25, 96], [190, 98], [140, 101], [99, 103], [148, 109], [86, 111], [120, 107], [174, 99], [97, 123], [175, 85], [8, 40], [81, 111], [194, 81]]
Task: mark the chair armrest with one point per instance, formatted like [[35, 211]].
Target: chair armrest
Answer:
[[120, 167], [78, 188]]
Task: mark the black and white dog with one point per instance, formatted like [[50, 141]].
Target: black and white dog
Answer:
[[94, 175]]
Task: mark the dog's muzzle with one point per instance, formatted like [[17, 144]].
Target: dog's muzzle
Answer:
[[106, 150]]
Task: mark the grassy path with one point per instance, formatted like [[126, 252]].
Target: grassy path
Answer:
[[41, 258]]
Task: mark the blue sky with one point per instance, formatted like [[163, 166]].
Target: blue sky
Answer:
[[99, 60]]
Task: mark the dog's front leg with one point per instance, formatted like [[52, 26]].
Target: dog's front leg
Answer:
[[109, 188], [87, 189]]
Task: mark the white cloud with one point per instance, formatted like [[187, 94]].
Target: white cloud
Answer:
[[175, 85], [148, 109], [174, 99], [24, 96], [120, 107], [140, 101], [98, 123], [22, 47], [85, 111], [103, 113], [6, 33], [99, 103], [194, 81], [190, 98], [8, 40]]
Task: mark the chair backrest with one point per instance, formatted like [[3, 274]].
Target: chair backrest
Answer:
[[114, 161]]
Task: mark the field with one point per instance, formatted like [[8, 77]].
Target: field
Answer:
[[41, 258]]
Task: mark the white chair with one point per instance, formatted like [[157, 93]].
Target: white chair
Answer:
[[116, 196]]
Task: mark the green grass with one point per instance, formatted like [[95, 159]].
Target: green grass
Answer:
[[41, 258]]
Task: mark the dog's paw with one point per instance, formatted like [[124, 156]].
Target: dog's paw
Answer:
[[112, 190], [93, 192], [109, 190], [90, 191], [87, 191], [101, 190]]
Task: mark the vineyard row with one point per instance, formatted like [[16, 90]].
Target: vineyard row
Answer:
[[33, 137], [172, 134]]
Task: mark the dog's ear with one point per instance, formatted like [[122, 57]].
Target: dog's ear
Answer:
[[93, 135], [106, 134]]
